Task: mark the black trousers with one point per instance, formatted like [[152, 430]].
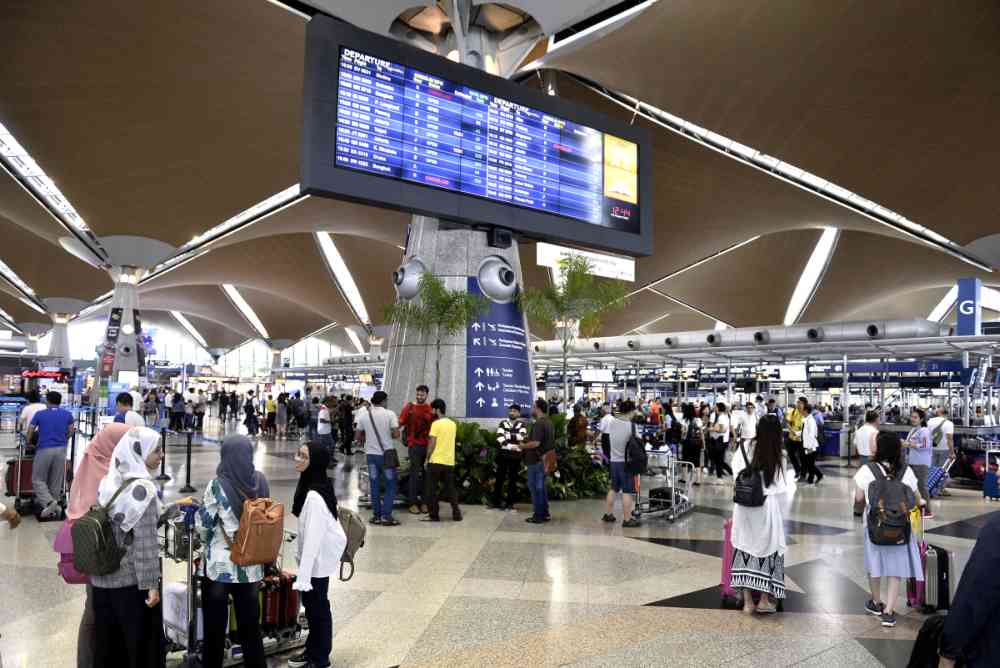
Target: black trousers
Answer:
[[319, 644], [347, 434], [509, 471], [215, 607], [418, 481], [177, 421], [809, 468], [436, 474], [796, 454], [129, 634], [717, 458]]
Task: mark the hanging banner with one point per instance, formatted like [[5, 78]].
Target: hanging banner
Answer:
[[110, 342], [498, 373], [140, 348]]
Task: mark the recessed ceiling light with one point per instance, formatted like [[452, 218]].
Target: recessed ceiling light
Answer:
[[244, 308], [811, 275], [179, 317], [355, 339], [342, 276]]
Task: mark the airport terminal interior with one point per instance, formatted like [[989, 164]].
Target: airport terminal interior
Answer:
[[643, 332]]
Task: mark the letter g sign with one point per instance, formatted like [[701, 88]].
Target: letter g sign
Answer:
[[967, 307]]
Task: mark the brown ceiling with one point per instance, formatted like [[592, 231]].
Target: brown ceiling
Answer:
[[204, 301], [894, 100], [19, 311], [371, 263], [21, 208], [158, 119], [215, 335], [282, 318]]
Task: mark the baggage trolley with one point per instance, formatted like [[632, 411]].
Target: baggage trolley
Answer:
[[672, 498], [24, 497]]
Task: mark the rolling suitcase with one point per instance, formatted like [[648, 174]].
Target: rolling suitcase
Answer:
[[944, 571], [991, 486], [726, 582], [19, 467], [290, 601], [271, 602], [916, 591]]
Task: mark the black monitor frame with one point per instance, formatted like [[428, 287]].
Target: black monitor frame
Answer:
[[325, 36]]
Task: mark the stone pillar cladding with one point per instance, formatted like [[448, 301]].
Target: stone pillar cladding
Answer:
[[61, 310], [126, 346], [453, 253]]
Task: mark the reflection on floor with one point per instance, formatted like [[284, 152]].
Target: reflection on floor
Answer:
[[495, 591]]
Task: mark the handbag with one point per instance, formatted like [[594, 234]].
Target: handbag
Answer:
[[391, 456], [549, 461]]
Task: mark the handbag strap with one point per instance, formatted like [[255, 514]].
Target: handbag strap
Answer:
[[378, 437], [744, 453], [121, 489]]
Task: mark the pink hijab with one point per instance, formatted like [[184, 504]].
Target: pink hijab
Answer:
[[93, 468]]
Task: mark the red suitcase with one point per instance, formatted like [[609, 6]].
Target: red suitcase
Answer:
[[290, 601], [270, 602], [13, 467]]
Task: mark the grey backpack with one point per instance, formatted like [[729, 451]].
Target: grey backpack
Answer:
[[889, 505], [354, 529]]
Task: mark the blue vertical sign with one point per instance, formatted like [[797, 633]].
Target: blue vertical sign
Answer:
[[497, 370], [968, 307]]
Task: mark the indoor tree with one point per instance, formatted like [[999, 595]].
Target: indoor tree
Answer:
[[439, 312], [576, 303]]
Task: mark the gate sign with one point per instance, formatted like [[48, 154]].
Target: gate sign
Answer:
[[497, 370], [969, 307]]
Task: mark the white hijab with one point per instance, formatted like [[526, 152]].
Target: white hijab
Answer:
[[128, 461]]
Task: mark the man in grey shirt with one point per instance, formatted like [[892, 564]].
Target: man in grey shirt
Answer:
[[620, 429], [377, 426]]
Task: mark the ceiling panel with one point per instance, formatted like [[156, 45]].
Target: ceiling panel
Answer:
[[283, 319], [371, 264], [204, 301], [21, 208], [17, 310]]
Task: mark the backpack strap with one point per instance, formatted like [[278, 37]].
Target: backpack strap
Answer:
[[744, 452], [121, 489]]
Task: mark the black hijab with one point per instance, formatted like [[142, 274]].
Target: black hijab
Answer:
[[315, 479]]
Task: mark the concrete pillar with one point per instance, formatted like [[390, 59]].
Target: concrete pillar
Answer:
[[33, 332], [61, 311]]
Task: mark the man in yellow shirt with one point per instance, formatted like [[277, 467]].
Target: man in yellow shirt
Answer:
[[441, 463], [796, 453]]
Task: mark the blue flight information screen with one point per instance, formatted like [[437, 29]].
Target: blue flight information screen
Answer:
[[402, 123]]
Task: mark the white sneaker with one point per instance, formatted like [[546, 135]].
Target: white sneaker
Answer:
[[51, 510]]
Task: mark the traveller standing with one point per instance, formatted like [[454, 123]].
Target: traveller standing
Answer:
[[321, 541], [234, 405], [511, 433], [864, 437], [200, 406], [34, 405], [281, 415], [759, 531], [124, 413], [893, 563], [217, 522], [415, 421], [177, 412], [54, 426], [576, 428], [250, 419], [810, 445], [377, 427], [223, 400], [719, 431], [441, 463], [346, 414], [919, 446], [128, 618], [541, 440], [693, 440], [604, 429], [151, 410], [943, 437], [324, 427], [314, 409], [620, 430], [793, 442]]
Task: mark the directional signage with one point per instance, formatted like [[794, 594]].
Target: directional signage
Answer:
[[497, 370], [970, 312]]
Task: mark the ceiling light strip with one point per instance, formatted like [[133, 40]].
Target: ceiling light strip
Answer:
[[22, 168], [689, 306], [602, 27], [944, 306], [33, 305], [342, 277], [788, 173], [355, 339], [186, 324], [300, 9], [244, 308], [695, 264], [638, 330], [812, 275]]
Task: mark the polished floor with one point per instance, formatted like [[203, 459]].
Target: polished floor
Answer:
[[495, 591]]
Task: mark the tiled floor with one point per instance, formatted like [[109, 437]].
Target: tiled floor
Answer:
[[495, 591]]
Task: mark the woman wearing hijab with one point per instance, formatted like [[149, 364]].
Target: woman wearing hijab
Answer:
[[93, 467], [235, 481], [321, 542], [128, 627]]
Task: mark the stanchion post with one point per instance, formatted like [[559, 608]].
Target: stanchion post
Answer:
[[187, 488], [163, 459], [72, 463]]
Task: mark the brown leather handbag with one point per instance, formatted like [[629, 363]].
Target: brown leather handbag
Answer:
[[262, 528]]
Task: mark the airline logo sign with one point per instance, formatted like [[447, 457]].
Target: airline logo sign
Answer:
[[608, 266], [970, 312]]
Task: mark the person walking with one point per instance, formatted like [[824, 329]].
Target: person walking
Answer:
[[377, 427], [793, 441], [541, 441], [810, 445], [511, 433], [415, 422], [54, 426], [217, 522], [893, 563], [693, 440], [920, 449], [321, 541], [324, 428], [281, 416], [759, 531], [719, 432], [346, 415], [441, 463], [314, 409], [620, 429]]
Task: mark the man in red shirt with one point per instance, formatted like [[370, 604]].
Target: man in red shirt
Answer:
[[415, 421]]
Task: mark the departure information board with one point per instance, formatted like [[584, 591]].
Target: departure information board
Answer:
[[401, 122]]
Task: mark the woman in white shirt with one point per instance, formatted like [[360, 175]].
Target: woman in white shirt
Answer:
[[321, 543], [759, 532], [716, 453]]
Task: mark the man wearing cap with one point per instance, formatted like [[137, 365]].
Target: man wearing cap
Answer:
[[511, 433]]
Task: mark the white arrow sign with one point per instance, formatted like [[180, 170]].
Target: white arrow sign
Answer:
[[478, 372], [475, 326], [477, 341], [479, 387], [480, 402]]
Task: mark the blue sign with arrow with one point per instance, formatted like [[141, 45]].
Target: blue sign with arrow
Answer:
[[498, 373]]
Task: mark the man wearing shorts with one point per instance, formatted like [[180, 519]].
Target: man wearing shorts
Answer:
[[622, 482]]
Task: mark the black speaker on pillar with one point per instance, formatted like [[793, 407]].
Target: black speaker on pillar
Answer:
[[498, 237]]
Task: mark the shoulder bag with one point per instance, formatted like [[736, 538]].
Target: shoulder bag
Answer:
[[391, 456]]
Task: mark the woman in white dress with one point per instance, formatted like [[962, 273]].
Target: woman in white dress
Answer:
[[759, 531]]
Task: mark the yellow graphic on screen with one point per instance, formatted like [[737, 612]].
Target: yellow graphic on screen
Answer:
[[621, 169]]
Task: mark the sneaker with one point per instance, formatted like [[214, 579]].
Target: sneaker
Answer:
[[631, 524], [390, 522], [298, 661], [375, 520], [873, 608], [608, 517], [536, 520], [414, 509], [888, 620], [51, 510], [423, 509]]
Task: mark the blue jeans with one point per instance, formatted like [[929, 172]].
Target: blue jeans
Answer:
[[381, 505], [536, 485]]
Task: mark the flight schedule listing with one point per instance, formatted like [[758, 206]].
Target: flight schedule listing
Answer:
[[403, 123]]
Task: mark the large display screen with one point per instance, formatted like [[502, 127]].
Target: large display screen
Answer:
[[394, 126], [400, 122]]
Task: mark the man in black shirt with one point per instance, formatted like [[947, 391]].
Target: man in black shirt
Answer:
[[541, 440]]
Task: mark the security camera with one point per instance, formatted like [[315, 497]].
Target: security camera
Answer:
[[497, 279], [406, 279]]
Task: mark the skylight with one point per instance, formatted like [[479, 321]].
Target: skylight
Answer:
[[32, 305], [186, 324], [244, 308], [938, 313], [355, 339], [257, 209], [811, 275], [12, 276], [342, 276]]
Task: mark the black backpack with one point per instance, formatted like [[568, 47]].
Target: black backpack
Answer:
[[635, 454], [95, 550], [694, 435], [748, 489], [889, 505]]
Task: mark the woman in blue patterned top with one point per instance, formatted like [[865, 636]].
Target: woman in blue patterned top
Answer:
[[236, 481]]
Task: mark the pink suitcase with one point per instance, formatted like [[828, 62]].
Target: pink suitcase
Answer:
[[725, 584]]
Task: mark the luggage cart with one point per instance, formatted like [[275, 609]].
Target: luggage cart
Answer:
[[24, 497], [672, 498]]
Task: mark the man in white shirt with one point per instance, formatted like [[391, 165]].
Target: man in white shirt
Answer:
[[376, 427], [810, 444], [747, 428], [619, 432], [719, 431], [324, 429], [604, 429], [864, 437], [34, 405], [943, 439]]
